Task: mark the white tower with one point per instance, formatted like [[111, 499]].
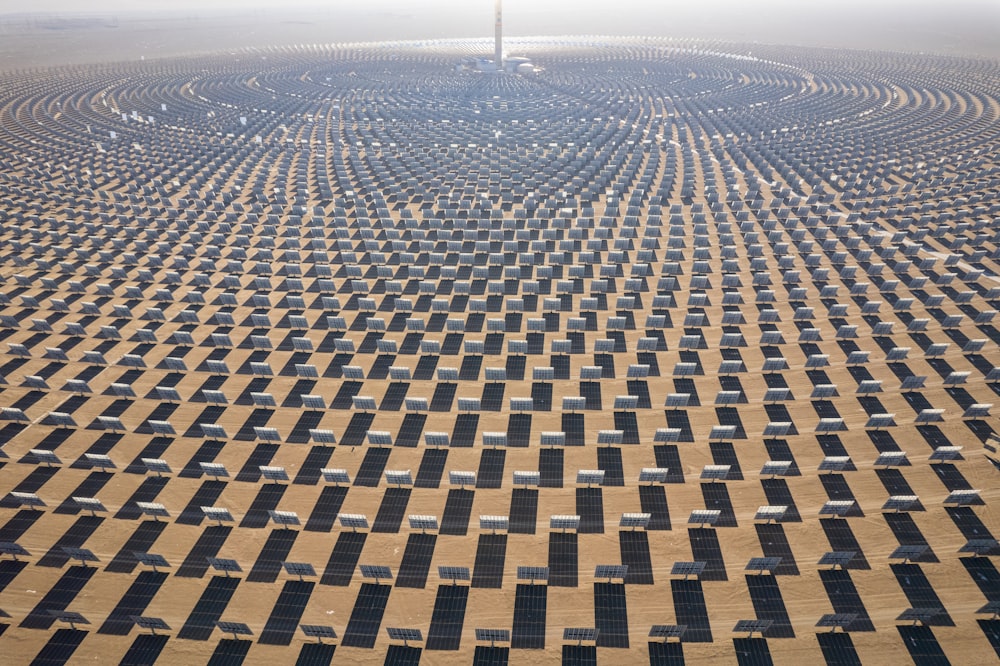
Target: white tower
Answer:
[[498, 36]]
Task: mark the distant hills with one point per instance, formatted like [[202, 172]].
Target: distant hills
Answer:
[[23, 22]]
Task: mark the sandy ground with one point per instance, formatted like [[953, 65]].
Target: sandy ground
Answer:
[[727, 601]]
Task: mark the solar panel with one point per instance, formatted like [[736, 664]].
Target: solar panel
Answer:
[[43, 456], [227, 566], [823, 391], [590, 477], [623, 402], [168, 394], [526, 478], [462, 479], [100, 461], [217, 513], [266, 434], [398, 477], [161, 427], [771, 512], [838, 508], [492, 635], [35, 382], [532, 573], [273, 473], [284, 518], [404, 634], [13, 549], [151, 560], [234, 628], [728, 398], [580, 634], [216, 470], [91, 504], [522, 404], [776, 468], [676, 401], [963, 497], [299, 569], [687, 569], [837, 620], [752, 626], [364, 403], [723, 433], [94, 358], [667, 631], [946, 453], [830, 424], [318, 631], [151, 623], [908, 552], [762, 564], [634, 520], [778, 363], [704, 517], [336, 476], [978, 410], [609, 437], [416, 404], [897, 354], [495, 439], [213, 431], [990, 608], [27, 499], [454, 574], [881, 421], [861, 358], [684, 369], [716, 472], [213, 397], [83, 554], [153, 509], [653, 475], [72, 618], [494, 523], [437, 439], [839, 558], [61, 420], [422, 522], [564, 522], [980, 546], [891, 459], [901, 503], [378, 572], [553, 439], [320, 436], [921, 615], [469, 404], [834, 463], [354, 521], [973, 346], [777, 429], [667, 435], [611, 571], [313, 402]]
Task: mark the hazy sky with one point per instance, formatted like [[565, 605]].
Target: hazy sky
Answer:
[[593, 7], [962, 26]]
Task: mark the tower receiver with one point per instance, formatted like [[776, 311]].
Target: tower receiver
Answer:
[[498, 36]]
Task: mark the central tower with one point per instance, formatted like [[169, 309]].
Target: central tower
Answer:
[[498, 36]]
